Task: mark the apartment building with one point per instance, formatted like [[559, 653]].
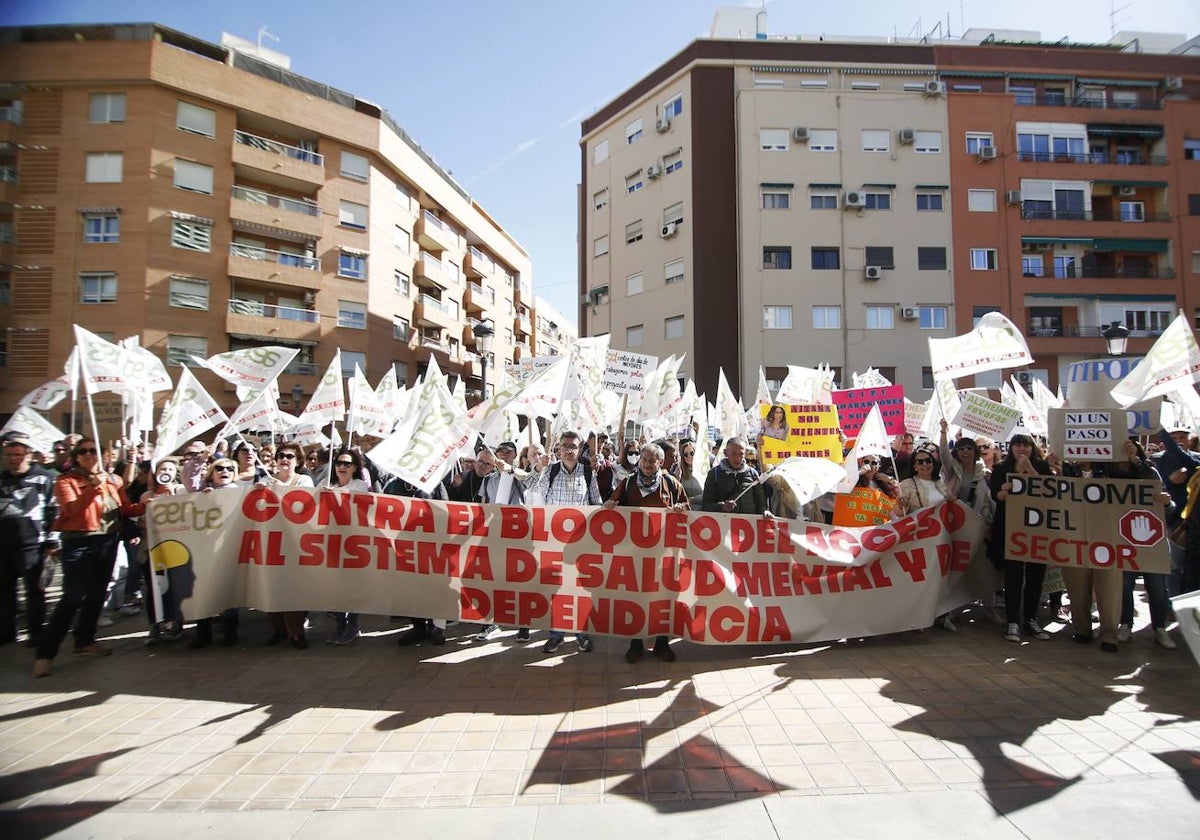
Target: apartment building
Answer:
[[554, 334], [791, 201], [204, 200]]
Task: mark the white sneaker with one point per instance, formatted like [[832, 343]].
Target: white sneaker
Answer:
[[1163, 637], [1013, 633], [104, 621], [1036, 630], [1124, 632]]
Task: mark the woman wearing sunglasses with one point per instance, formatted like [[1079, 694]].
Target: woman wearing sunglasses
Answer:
[[288, 625], [91, 503], [347, 467], [924, 489]]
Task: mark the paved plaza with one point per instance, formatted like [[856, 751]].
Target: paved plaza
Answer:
[[927, 734]]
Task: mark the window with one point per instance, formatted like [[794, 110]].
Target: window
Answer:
[[403, 196], [98, 287], [673, 327], [634, 284], [196, 120], [181, 348], [673, 272], [760, 81], [981, 201], [968, 88], [777, 256], [633, 132], [600, 199], [106, 108], [823, 201], [633, 336], [933, 317], [104, 167], [931, 259], [400, 328], [864, 86], [1055, 199], [350, 360], [402, 239], [777, 317], [822, 139], [814, 84], [1195, 262], [927, 381], [633, 182], [928, 142], [355, 166], [1024, 95], [673, 107], [1133, 211], [977, 313], [878, 200], [352, 265], [673, 161], [352, 215], [633, 232], [191, 236], [776, 199], [825, 258], [876, 139], [880, 255], [600, 247], [1052, 141], [673, 214], [1031, 265], [1194, 204], [1054, 96], [194, 177], [600, 152], [1191, 149], [188, 293], [101, 227], [983, 259], [1064, 265], [827, 317], [930, 202], [977, 140], [773, 139], [402, 283], [881, 318], [352, 315]]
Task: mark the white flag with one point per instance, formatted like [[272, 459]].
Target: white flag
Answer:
[[871, 379], [45, 397], [190, 412], [872, 439], [106, 366], [995, 343], [806, 478], [421, 450], [259, 411], [154, 377], [42, 434], [731, 417], [386, 391], [253, 369], [328, 402], [370, 417], [1032, 418], [1173, 363], [806, 386]]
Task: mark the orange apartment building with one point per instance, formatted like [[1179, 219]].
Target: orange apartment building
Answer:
[[203, 199]]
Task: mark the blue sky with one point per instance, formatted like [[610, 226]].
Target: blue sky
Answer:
[[495, 90]]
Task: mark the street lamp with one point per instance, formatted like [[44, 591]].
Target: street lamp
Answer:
[[1117, 337], [484, 333]]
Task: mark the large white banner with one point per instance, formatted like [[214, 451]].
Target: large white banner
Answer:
[[994, 343], [710, 578]]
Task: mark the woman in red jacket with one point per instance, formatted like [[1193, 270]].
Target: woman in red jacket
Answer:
[[91, 503]]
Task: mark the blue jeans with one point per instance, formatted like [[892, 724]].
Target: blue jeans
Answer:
[[1156, 591], [87, 566], [560, 635]]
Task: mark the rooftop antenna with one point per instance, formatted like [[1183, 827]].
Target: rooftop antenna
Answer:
[[1112, 17], [262, 31]]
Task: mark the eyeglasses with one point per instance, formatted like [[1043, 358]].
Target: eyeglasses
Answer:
[[870, 463], [922, 460], [286, 456], [225, 468], [344, 463], [85, 451], [986, 446]]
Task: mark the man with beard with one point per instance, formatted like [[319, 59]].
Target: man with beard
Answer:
[[732, 485]]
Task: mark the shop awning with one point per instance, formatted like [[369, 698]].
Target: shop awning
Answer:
[[1128, 183], [1152, 132], [1138, 83], [1056, 240], [1143, 246], [932, 187], [779, 186], [881, 186], [824, 186], [1040, 77]]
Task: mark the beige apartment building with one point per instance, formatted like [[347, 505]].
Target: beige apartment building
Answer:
[[204, 199]]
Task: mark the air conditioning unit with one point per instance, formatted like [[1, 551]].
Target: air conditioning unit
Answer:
[[986, 153], [935, 88], [1013, 197], [1125, 190], [662, 125], [669, 230], [1024, 377], [1173, 83], [800, 134], [310, 297], [909, 313], [906, 136], [854, 199], [873, 272], [653, 171]]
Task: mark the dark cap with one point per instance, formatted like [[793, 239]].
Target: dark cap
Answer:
[[507, 445], [15, 438]]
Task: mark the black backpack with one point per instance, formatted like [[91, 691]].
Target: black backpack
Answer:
[[556, 468]]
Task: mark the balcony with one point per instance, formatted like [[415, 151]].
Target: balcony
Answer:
[[522, 325], [264, 322], [1118, 159], [285, 218], [1080, 331], [278, 163], [435, 234], [472, 363], [253, 263], [478, 264], [8, 184], [476, 298], [1057, 215], [1094, 101], [430, 273], [10, 123], [1106, 273], [522, 291], [431, 312]]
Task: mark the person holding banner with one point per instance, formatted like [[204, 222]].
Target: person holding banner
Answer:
[[222, 475], [687, 477], [347, 467], [1022, 581], [286, 625], [91, 503], [732, 485], [650, 486]]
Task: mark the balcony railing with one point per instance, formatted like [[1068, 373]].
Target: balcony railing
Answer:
[[7, 234], [301, 369], [1089, 216], [481, 261], [266, 310], [245, 138], [1095, 273], [435, 344], [10, 113], [429, 300], [1082, 101], [253, 252], [1079, 331], [1119, 159], [8, 174], [279, 202]]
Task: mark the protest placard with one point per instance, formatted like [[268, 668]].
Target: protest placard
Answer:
[[1092, 434], [805, 430], [1090, 383], [986, 417], [854, 404], [861, 507]]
